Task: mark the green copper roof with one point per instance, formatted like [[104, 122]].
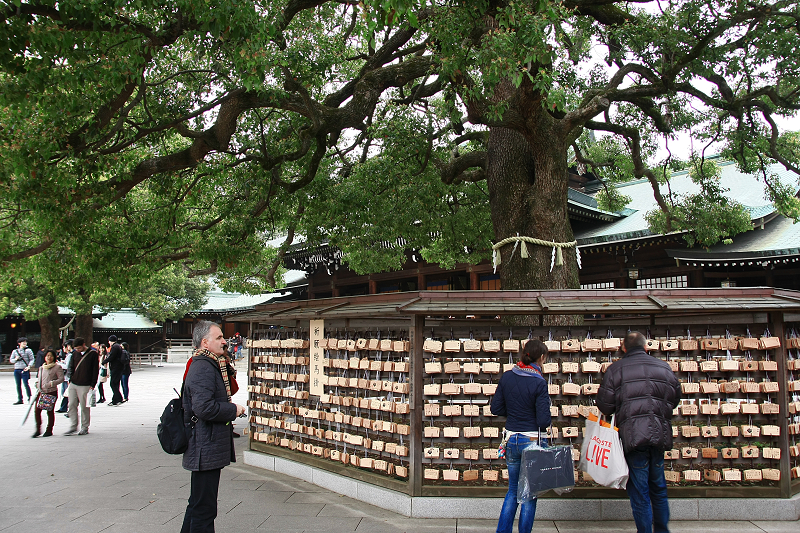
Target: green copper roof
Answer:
[[746, 189]]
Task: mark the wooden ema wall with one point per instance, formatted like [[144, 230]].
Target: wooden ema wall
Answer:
[[439, 438]]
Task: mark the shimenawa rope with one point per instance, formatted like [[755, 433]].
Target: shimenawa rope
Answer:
[[556, 258]]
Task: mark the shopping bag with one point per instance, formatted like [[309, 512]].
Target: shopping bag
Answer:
[[601, 454], [543, 469]]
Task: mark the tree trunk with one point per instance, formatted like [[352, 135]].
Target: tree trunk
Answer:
[[49, 325], [84, 327], [527, 181]]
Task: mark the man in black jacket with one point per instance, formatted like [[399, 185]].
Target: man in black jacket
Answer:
[[642, 391], [209, 412], [115, 368]]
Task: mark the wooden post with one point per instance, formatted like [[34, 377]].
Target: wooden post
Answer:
[[422, 282], [373, 286], [474, 281], [779, 331], [416, 337]]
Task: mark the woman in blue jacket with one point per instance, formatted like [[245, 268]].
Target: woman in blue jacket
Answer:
[[523, 399]]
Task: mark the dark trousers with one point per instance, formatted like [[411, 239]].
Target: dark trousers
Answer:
[[202, 508], [21, 377], [51, 416], [116, 397], [101, 390]]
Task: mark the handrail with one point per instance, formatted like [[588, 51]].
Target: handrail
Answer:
[[139, 357], [152, 344]]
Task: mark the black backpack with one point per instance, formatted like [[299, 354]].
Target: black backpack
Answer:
[[172, 431]]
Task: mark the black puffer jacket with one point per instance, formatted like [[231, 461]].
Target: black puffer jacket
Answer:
[[204, 394], [642, 391]]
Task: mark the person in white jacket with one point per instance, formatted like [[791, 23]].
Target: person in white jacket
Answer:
[[22, 357]]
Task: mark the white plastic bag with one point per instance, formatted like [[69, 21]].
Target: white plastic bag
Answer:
[[602, 456]]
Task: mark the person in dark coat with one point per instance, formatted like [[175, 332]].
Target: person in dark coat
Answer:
[[64, 358], [209, 412], [522, 398], [115, 368], [642, 391], [40, 355], [126, 371]]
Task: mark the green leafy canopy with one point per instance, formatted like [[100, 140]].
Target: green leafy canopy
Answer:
[[190, 133]]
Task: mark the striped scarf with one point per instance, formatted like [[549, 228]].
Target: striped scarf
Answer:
[[222, 363]]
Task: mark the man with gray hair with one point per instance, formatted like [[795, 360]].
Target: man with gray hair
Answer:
[[209, 412], [642, 391]]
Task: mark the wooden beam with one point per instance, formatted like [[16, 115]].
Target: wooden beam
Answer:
[[786, 297], [331, 308], [781, 354], [543, 303], [417, 401], [657, 301], [410, 302], [292, 308]]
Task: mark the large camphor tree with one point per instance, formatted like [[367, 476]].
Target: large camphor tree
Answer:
[[190, 131]]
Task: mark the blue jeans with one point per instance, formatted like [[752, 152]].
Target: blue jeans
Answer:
[[21, 376], [64, 396], [124, 383], [647, 490], [514, 447]]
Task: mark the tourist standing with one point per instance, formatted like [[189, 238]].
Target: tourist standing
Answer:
[[84, 369], [115, 366], [22, 357], [126, 371], [40, 355], [642, 390], [101, 350], [63, 361], [209, 410], [50, 376], [522, 397], [237, 346]]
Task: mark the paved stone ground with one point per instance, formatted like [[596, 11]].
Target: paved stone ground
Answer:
[[118, 480]]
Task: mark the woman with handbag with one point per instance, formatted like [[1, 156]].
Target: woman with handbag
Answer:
[[51, 375], [522, 397]]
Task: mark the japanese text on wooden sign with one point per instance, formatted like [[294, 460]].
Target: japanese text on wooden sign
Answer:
[[318, 380]]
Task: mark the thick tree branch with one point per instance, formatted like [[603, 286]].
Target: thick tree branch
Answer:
[[30, 252], [454, 171], [640, 169], [273, 269]]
